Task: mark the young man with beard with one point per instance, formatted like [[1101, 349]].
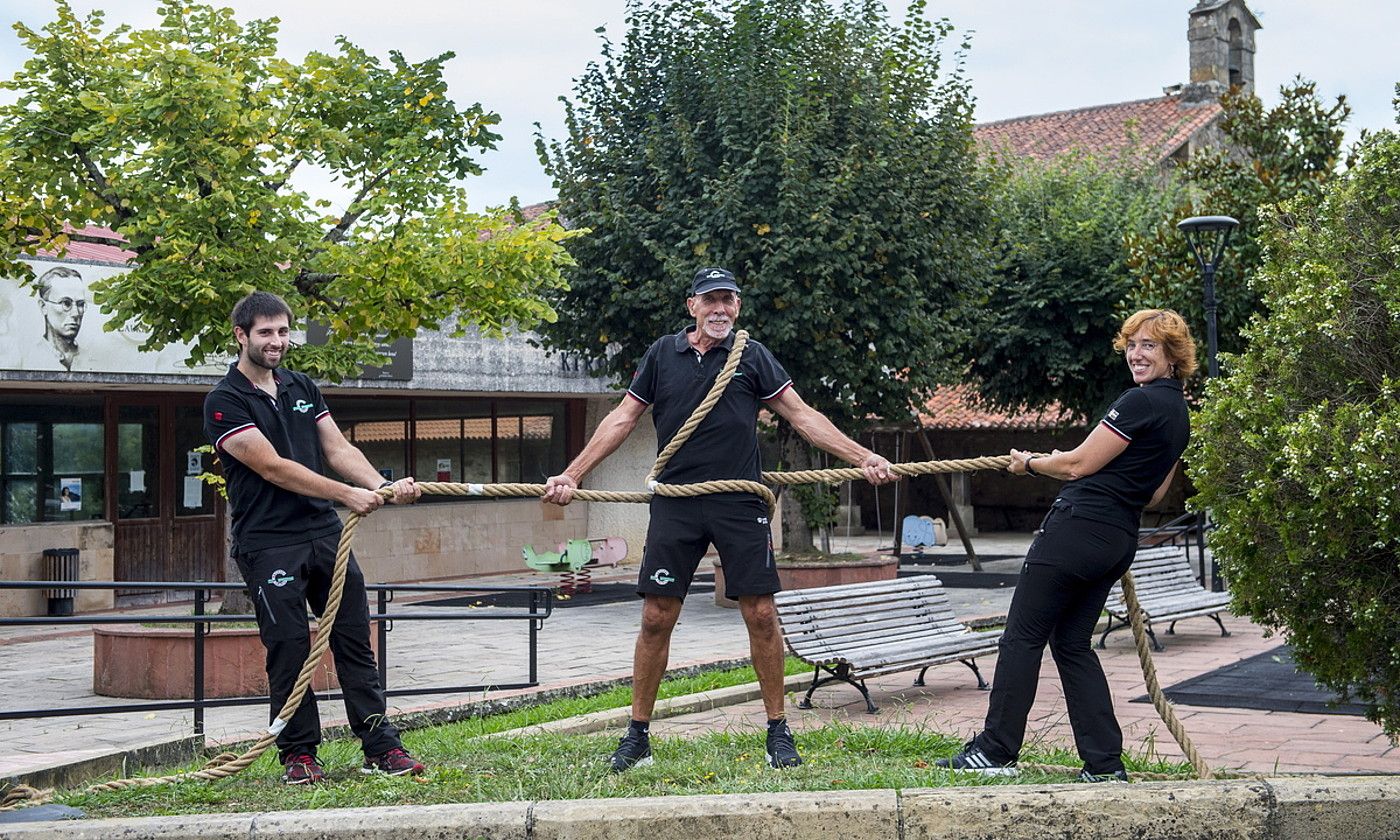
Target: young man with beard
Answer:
[[674, 376], [274, 435]]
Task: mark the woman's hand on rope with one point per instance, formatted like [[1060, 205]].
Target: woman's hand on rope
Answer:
[[559, 489], [406, 491], [877, 470], [1018, 463]]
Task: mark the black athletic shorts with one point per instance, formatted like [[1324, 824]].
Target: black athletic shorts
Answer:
[[681, 530]]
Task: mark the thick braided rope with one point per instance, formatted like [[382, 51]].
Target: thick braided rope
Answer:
[[726, 373], [1154, 689], [227, 765], [1159, 700]]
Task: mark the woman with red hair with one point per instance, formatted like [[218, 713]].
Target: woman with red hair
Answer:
[[1086, 543]]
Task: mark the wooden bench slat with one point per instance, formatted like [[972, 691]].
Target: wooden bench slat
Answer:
[[1167, 589]]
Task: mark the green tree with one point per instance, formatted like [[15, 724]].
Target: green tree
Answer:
[[822, 153], [1061, 276], [184, 139], [1295, 453], [1270, 155]]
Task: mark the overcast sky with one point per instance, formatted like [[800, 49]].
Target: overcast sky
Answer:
[[1028, 56]]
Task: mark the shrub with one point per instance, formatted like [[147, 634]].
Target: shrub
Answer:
[[1295, 452]]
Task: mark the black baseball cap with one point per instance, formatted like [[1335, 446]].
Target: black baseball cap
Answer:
[[710, 279]]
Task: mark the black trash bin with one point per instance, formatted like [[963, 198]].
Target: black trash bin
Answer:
[[61, 564]]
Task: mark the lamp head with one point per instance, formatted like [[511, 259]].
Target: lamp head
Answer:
[[1207, 237]]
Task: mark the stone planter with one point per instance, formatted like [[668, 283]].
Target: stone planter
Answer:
[[157, 663], [810, 575]]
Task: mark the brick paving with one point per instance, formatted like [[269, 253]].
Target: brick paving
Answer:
[[1245, 739]]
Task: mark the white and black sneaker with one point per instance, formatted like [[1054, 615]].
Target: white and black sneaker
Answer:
[[974, 760], [633, 750], [781, 750], [1115, 776]]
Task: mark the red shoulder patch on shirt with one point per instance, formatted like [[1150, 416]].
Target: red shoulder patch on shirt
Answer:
[[218, 415]]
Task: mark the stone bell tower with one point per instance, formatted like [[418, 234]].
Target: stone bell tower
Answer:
[[1221, 34]]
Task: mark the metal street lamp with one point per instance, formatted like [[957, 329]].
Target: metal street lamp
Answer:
[[1207, 237]]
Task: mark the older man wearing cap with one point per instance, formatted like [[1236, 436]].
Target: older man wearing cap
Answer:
[[674, 376]]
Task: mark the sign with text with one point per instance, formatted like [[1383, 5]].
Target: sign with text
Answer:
[[400, 353]]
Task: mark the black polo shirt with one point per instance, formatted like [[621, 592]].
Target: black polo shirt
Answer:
[[1154, 421], [674, 378], [264, 515]]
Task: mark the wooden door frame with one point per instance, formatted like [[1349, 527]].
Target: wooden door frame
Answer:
[[165, 468]]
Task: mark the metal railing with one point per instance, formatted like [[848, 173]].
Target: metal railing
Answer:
[[1189, 531], [538, 605]]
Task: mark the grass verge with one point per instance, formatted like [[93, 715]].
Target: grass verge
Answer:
[[464, 768]]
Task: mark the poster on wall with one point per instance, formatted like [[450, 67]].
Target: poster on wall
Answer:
[[70, 494], [52, 325], [444, 469]]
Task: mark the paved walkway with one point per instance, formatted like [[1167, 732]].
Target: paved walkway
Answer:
[[1258, 741], [585, 644]]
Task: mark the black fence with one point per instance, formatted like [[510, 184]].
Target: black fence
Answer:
[[531, 604]]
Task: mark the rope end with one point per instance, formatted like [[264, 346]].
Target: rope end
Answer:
[[276, 727]]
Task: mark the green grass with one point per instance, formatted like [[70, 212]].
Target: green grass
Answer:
[[467, 769], [464, 767]]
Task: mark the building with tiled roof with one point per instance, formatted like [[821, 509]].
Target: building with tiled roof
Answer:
[[957, 408], [1165, 129], [109, 436]]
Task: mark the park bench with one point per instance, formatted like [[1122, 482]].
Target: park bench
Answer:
[[862, 630], [1167, 591]]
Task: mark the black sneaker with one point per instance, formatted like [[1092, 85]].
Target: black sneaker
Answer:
[[782, 752], [633, 750], [394, 762], [302, 769], [1115, 776], [973, 759]]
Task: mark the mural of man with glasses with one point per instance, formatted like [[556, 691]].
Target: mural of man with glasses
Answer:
[[63, 300]]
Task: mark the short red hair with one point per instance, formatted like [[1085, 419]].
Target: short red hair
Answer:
[[1170, 330]]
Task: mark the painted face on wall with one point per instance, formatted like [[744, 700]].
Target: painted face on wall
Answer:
[[64, 306]]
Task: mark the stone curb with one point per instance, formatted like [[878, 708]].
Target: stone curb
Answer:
[[1278, 809]]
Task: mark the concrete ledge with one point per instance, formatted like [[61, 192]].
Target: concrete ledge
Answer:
[[1235, 810], [1273, 809], [849, 815], [71, 769]]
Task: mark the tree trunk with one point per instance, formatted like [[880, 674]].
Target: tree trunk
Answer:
[[797, 455]]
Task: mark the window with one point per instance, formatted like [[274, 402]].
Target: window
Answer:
[[379, 427], [51, 459], [1236, 58], [459, 440]]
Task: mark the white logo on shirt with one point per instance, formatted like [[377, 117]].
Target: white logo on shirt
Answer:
[[1113, 414]]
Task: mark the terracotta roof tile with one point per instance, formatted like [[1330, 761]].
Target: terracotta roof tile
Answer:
[[956, 408], [92, 252], [1160, 125]]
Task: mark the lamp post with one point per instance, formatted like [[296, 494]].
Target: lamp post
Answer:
[[1207, 237]]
